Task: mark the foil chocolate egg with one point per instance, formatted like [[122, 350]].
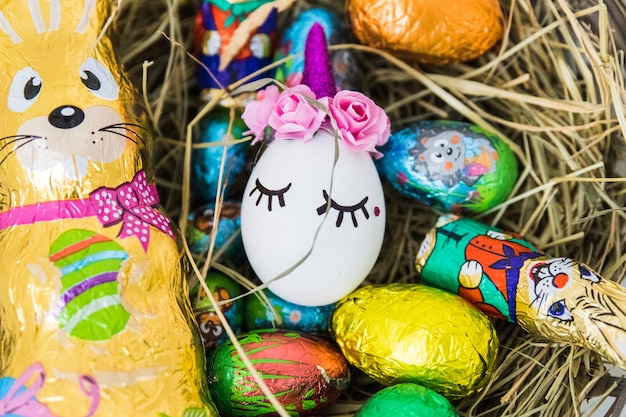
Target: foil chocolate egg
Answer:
[[305, 374], [428, 31], [282, 314], [400, 333], [450, 165], [206, 157], [228, 244], [224, 290], [407, 400]]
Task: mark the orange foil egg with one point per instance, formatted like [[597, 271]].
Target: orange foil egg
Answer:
[[428, 31]]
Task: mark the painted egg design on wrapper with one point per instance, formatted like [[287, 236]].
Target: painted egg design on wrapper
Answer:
[[305, 374], [313, 211], [450, 165], [90, 307], [285, 315]]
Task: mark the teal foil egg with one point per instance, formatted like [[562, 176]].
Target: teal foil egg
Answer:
[[453, 166], [211, 327], [206, 161], [407, 400], [228, 243], [285, 315]]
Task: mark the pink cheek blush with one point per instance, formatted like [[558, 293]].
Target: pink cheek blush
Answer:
[[376, 211]]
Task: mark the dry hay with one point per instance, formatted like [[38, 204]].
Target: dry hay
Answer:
[[553, 89]]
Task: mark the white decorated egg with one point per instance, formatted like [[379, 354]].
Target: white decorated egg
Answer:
[[313, 218]]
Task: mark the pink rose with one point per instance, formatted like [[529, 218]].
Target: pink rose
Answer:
[[257, 113], [294, 117], [362, 123]]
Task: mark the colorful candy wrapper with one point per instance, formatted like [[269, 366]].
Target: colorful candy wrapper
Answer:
[[217, 24], [95, 318], [507, 277]]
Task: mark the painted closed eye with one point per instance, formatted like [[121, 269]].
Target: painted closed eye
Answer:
[[98, 79], [343, 209], [271, 194], [560, 311], [24, 89]]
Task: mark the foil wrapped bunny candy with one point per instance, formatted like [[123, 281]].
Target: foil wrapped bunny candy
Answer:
[[508, 278], [94, 319]]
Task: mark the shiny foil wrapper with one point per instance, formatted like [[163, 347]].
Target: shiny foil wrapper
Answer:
[[453, 166], [399, 333], [224, 289], [95, 317], [428, 31], [305, 373], [282, 314], [407, 400], [228, 246], [505, 276]]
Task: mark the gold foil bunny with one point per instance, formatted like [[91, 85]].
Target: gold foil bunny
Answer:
[[93, 317]]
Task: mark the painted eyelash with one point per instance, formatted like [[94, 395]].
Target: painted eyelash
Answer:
[[343, 209], [270, 194]]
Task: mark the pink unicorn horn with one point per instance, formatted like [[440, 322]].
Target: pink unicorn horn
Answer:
[[317, 72]]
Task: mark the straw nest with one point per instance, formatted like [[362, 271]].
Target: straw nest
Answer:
[[553, 89]]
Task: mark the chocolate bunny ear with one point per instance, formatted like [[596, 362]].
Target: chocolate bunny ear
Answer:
[[317, 72]]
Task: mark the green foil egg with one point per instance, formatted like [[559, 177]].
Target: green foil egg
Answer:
[[211, 328], [398, 333], [407, 400]]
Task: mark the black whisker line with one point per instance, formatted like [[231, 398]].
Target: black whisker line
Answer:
[[615, 326], [125, 126], [119, 134], [17, 147], [17, 138]]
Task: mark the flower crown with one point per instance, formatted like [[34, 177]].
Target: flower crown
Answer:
[[299, 112]]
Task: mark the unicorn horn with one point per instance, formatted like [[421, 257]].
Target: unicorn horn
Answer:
[[317, 72]]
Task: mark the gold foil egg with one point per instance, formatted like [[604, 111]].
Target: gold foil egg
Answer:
[[428, 31], [399, 333]]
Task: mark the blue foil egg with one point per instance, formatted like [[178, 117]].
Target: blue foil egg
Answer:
[[293, 40], [285, 315], [453, 166], [224, 289], [228, 243], [206, 161]]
